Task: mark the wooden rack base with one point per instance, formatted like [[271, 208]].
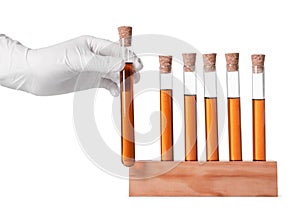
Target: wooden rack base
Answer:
[[192, 178]]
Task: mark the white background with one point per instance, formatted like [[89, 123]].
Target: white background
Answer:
[[42, 166]]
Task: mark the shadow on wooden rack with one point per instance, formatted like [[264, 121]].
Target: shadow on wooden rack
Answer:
[[193, 178]]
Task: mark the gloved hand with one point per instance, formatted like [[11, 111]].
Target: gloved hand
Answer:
[[82, 63]]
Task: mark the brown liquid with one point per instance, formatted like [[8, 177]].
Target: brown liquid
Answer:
[[234, 129], [211, 129], [127, 115], [190, 123], [259, 136], [166, 125]]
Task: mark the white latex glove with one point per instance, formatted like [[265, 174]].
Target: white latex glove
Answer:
[[79, 64]]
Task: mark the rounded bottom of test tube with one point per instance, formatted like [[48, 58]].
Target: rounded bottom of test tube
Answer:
[[128, 162]]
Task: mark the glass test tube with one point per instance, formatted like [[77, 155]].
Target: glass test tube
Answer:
[[190, 106], [166, 108], [234, 110], [126, 96], [211, 113], [258, 107]]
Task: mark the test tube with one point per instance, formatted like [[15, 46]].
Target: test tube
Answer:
[[211, 113], [126, 95], [190, 106], [258, 107], [166, 108], [234, 110]]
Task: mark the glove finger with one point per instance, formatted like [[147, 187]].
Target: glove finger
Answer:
[[108, 48], [111, 86], [138, 64], [137, 77], [105, 47], [104, 64], [114, 76], [89, 80]]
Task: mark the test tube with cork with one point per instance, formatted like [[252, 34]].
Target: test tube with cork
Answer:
[[166, 108], [234, 110], [190, 106], [126, 96], [211, 113], [258, 107]]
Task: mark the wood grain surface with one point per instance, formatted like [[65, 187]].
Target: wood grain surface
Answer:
[[192, 178]]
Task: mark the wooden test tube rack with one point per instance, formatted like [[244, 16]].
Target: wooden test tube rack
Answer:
[[213, 178]]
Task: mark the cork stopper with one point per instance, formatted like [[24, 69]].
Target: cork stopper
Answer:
[[189, 60], [209, 62], [258, 61], [165, 63], [125, 33], [232, 61]]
